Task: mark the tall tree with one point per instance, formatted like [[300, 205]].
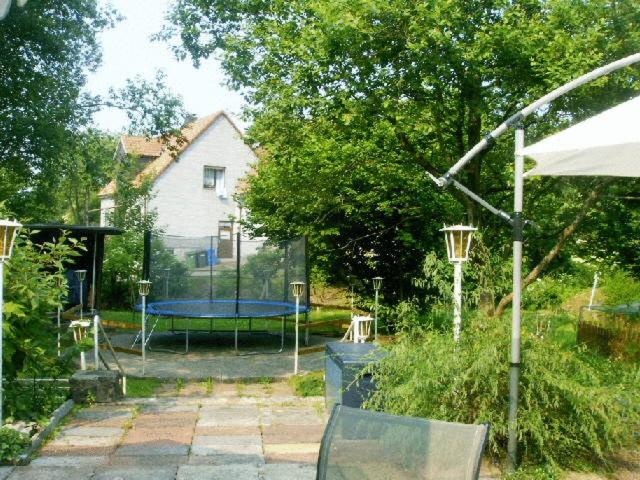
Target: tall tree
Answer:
[[355, 102]]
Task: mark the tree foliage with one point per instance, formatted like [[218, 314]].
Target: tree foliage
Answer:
[[356, 102]]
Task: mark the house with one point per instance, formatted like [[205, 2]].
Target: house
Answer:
[[195, 182]]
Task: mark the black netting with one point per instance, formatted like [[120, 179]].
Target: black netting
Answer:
[[225, 277], [362, 444]]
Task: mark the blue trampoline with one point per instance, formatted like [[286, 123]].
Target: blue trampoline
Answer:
[[223, 278]]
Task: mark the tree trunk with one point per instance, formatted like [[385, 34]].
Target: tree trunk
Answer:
[[557, 248]]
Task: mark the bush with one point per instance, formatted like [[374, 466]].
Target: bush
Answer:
[[620, 287], [12, 444], [309, 385], [574, 410]]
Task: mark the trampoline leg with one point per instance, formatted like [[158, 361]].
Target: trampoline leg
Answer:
[[210, 326], [306, 330], [235, 336], [250, 325], [186, 338], [282, 336]]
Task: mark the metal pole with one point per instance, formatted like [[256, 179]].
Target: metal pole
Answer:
[[375, 322], [144, 331], [457, 300], [96, 354], [295, 354], [514, 370], [1, 339]]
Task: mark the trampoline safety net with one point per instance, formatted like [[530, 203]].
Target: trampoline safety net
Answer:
[[363, 444], [224, 277]]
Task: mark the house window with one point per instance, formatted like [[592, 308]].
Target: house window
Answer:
[[214, 178]]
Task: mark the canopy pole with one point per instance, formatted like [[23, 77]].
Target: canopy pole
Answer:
[[514, 370]]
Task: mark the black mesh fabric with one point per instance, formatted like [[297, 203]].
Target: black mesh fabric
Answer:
[[366, 445], [229, 277]]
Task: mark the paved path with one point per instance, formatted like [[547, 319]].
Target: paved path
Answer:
[[212, 356], [238, 432]]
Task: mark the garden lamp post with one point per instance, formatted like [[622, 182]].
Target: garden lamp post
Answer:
[[59, 283], [377, 283], [8, 231], [297, 288], [81, 275], [79, 328], [458, 240], [144, 288]]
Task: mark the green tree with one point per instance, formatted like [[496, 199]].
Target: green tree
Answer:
[[48, 49], [356, 102]]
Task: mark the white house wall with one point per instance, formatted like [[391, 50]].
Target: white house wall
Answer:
[[183, 205]]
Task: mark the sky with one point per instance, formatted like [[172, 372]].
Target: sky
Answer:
[[128, 51]]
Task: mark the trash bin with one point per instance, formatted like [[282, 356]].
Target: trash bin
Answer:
[[343, 364]]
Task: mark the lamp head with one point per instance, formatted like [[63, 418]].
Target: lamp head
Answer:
[[458, 240], [144, 287], [297, 288], [81, 274], [8, 231], [377, 283]]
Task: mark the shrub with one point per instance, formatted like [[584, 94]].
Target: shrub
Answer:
[[12, 444], [620, 287], [573, 410], [309, 385]]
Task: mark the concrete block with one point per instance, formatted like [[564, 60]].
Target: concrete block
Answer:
[[102, 386]]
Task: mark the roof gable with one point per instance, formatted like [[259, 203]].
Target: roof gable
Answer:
[[170, 151]]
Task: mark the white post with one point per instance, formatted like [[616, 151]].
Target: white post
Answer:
[[83, 361], [514, 381], [596, 277], [295, 355], [96, 353], [1, 339], [375, 321], [457, 300], [144, 331], [59, 315]]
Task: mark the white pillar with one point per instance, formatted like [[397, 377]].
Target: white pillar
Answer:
[[295, 354], [375, 321], [457, 300], [1, 339], [144, 331], [96, 353]]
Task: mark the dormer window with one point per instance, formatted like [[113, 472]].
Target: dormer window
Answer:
[[214, 179]]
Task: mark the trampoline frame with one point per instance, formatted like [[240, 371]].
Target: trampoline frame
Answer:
[[152, 312]]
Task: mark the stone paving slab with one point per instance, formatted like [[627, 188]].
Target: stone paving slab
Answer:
[[52, 473], [226, 459], [5, 472], [291, 416], [292, 433], [81, 461], [91, 431], [218, 472], [148, 460], [238, 450], [213, 440], [84, 442], [136, 473], [54, 450], [284, 471], [145, 435], [152, 448], [226, 431]]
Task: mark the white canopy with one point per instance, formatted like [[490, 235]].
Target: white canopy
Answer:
[[607, 144]]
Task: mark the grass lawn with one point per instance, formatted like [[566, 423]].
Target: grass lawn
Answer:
[[317, 315], [142, 387]]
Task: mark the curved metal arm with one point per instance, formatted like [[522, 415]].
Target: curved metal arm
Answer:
[[491, 137]]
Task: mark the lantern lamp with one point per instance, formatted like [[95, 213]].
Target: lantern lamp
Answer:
[[458, 240]]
